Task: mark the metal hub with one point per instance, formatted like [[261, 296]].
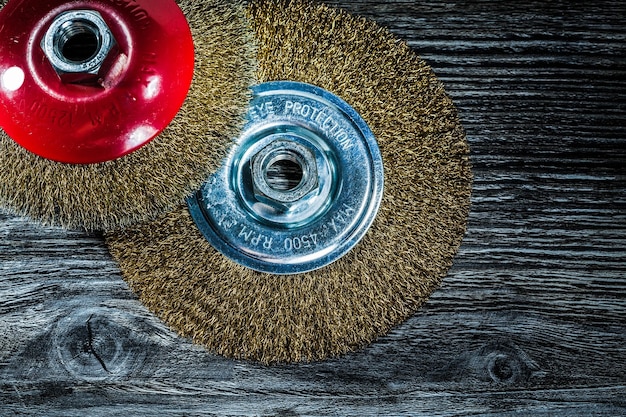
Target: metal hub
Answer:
[[298, 224], [85, 82]]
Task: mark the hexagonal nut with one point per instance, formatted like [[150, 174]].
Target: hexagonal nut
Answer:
[[277, 151], [79, 45]]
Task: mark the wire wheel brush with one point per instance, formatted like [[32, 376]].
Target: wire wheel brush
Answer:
[[336, 215], [114, 112]]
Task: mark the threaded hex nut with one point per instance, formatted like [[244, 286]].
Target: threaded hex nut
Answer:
[[277, 151], [78, 42]]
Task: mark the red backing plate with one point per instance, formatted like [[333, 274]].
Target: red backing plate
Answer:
[[138, 92]]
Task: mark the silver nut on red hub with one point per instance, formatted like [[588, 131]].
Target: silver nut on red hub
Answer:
[[78, 45], [85, 82]]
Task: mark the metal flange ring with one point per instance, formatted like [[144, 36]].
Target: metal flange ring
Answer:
[[287, 229]]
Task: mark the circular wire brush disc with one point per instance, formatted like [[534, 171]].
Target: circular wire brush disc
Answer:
[[123, 180], [272, 318]]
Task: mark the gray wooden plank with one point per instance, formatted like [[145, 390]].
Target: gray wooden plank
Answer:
[[530, 320]]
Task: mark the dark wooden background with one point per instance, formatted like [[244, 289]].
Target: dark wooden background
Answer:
[[530, 321]]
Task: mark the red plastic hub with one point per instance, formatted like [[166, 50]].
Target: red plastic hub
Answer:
[[130, 69]]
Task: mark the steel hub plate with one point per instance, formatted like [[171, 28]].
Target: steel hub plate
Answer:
[[331, 142]]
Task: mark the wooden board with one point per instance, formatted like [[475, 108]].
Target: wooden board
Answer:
[[530, 321]]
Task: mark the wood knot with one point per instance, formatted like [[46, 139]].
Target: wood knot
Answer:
[[500, 362], [505, 363], [91, 344], [504, 368]]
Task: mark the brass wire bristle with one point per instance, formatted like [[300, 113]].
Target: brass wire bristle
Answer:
[[240, 313], [159, 176]]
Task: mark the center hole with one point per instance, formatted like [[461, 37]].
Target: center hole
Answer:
[[78, 41], [284, 174]]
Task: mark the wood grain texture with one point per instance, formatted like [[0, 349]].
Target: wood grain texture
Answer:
[[530, 320]]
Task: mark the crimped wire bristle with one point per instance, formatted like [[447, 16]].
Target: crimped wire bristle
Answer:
[[240, 313], [159, 176]]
